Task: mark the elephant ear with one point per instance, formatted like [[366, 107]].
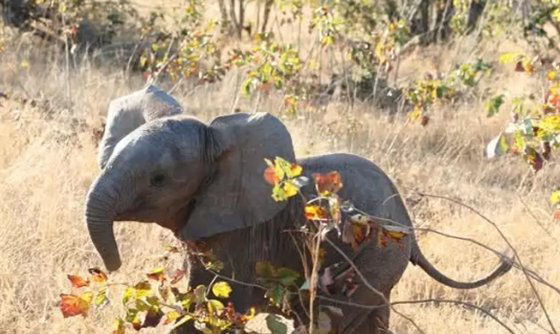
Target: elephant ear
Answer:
[[238, 196], [129, 112]]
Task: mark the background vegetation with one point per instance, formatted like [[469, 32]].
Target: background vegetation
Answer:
[[428, 89]]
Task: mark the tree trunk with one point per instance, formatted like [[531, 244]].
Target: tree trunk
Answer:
[[266, 15], [475, 12]]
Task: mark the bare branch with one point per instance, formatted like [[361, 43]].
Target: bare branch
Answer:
[[516, 254]]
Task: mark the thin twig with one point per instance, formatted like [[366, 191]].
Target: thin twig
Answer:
[[537, 221], [366, 283], [420, 301], [516, 254]]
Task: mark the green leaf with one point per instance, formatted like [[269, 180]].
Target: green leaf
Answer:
[[215, 306], [199, 294], [287, 277], [268, 323], [221, 289], [492, 106], [101, 298], [497, 146], [276, 294], [183, 321]]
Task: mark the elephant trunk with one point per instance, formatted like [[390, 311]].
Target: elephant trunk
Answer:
[[100, 214]]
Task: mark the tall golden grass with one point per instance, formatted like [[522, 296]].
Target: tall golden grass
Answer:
[[47, 162]]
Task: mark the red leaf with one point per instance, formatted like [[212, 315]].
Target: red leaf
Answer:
[[327, 184], [152, 319], [77, 281], [72, 305], [519, 67], [270, 176], [97, 275]]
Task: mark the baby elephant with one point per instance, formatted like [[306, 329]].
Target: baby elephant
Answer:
[[128, 112], [205, 182]]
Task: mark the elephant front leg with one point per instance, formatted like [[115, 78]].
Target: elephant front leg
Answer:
[[358, 320]]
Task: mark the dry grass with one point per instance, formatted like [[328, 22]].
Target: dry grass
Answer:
[[47, 161]]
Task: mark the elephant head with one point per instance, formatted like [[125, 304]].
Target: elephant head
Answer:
[[129, 112], [196, 179]]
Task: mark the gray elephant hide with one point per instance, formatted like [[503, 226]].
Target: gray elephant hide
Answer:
[[128, 112]]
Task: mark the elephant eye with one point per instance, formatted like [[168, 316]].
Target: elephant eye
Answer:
[[157, 180]]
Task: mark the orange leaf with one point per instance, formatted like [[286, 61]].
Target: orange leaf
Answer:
[[270, 176], [360, 233], [327, 184], [315, 212], [97, 275], [72, 305], [557, 215], [77, 281], [157, 275]]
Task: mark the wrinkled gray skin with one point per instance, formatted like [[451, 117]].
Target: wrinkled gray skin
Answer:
[[128, 112], [205, 182]]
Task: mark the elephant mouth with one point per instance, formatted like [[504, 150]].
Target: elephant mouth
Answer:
[[184, 216]]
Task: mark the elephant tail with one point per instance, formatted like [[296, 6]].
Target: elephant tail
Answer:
[[417, 258]]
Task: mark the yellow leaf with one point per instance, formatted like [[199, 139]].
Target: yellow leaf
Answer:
[[416, 113], [552, 75], [215, 306], [221, 289], [290, 189], [555, 197], [143, 289], [118, 326], [550, 124], [315, 212], [397, 235], [295, 170], [170, 317], [510, 57], [87, 296]]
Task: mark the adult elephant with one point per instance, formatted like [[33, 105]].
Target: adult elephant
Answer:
[[205, 182], [127, 113]]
